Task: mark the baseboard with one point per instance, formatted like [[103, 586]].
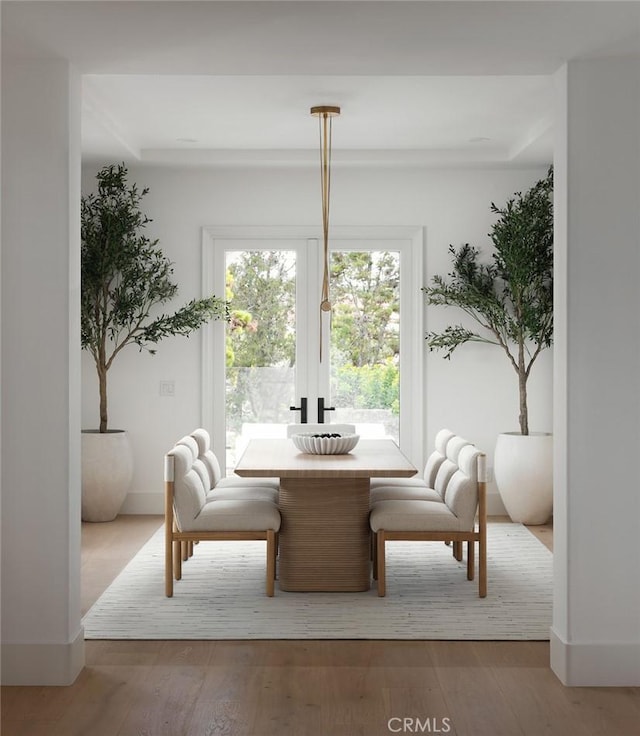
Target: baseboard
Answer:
[[595, 664], [43, 663], [143, 503]]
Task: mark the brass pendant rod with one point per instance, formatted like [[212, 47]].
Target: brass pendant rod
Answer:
[[324, 115], [325, 181]]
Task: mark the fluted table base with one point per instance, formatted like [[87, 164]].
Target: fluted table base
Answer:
[[324, 537]]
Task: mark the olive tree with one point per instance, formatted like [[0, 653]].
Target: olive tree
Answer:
[[124, 277], [511, 298]]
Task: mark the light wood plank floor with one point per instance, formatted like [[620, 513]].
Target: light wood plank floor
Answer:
[[305, 688]]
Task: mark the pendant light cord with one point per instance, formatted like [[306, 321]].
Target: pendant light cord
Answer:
[[325, 129]]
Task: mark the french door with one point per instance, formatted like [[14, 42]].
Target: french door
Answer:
[[280, 360]]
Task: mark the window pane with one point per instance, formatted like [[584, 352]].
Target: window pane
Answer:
[[260, 344], [365, 338]]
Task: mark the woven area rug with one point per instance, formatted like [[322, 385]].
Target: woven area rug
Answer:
[[221, 596]]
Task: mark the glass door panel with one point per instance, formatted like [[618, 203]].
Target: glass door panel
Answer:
[[365, 340], [260, 344]]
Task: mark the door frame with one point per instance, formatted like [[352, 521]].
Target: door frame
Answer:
[[411, 248]]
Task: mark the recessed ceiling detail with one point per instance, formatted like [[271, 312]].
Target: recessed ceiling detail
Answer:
[[233, 75], [255, 120]]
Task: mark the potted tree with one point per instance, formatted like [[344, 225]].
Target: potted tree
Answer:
[[511, 299], [124, 277]]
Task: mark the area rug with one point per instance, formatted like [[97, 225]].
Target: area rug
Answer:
[[221, 596]]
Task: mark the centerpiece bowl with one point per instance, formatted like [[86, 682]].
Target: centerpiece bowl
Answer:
[[325, 443]]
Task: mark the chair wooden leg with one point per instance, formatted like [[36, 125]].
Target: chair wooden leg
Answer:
[[380, 563], [457, 551], [177, 560], [168, 563], [184, 551], [374, 553], [169, 528], [271, 561], [482, 529], [190, 548], [471, 563], [482, 566]]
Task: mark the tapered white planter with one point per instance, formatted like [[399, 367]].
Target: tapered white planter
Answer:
[[107, 471], [523, 467]]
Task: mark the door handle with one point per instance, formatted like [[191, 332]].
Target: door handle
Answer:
[[302, 409], [322, 408]]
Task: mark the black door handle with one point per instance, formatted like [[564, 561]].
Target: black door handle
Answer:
[[302, 409], [322, 408]]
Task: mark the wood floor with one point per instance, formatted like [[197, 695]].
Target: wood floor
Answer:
[[305, 688]]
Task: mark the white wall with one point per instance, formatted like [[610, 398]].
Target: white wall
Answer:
[[595, 637], [474, 394], [42, 636]]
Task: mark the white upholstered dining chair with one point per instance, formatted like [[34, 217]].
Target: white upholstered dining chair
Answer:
[[206, 464], [219, 485], [449, 519], [419, 486], [190, 516]]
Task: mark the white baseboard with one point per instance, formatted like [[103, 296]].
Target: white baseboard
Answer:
[[43, 663], [595, 664]]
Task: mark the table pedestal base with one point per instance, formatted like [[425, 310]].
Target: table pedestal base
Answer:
[[324, 536]]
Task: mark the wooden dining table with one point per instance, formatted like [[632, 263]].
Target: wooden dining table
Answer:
[[324, 540]]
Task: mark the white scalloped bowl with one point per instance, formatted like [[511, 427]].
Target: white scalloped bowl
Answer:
[[325, 445]]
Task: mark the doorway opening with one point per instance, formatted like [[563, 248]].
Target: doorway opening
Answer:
[[279, 360]]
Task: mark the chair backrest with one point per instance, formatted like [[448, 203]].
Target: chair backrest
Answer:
[[435, 460], [189, 493], [454, 448], [198, 465], [450, 464], [461, 494], [319, 428], [207, 455], [190, 443]]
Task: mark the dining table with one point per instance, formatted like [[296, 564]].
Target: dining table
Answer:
[[324, 538]]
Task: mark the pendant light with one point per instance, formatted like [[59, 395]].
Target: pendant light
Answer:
[[325, 115]]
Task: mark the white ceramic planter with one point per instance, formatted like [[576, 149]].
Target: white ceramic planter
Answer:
[[107, 471], [523, 467]]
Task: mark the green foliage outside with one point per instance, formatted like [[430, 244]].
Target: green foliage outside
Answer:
[[364, 289], [368, 386], [261, 289]]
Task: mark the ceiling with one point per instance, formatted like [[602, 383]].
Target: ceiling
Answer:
[[231, 83]]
